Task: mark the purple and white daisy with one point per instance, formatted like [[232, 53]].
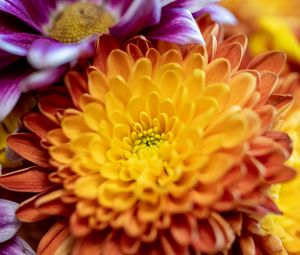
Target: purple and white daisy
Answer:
[[10, 243], [52, 34]]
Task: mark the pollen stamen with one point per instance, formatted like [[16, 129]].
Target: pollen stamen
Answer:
[[79, 20]]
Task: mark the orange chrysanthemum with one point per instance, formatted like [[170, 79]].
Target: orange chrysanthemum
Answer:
[[157, 150], [287, 225]]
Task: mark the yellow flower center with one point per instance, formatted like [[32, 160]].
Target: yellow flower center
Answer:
[[146, 140], [79, 20]]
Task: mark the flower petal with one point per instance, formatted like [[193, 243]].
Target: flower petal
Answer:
[[42, 78], [6, 58], [35, 13], [27, 212], [9, 225], [117, 7], [11, 24], [218, 14], [273, 61], [177, 26], [9, 88], [53, 238], [16, 246], [17, 43], [55, 53], [28, 146], [32, 179], [137, 17], [192, 5]]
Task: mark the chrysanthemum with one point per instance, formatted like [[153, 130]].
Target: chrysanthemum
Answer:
[[287, 225], [157, 150], [55, 33], [10, 244]]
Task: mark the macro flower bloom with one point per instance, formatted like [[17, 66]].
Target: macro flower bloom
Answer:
[[157, 149], [287, 225], [10, 244], [270, 24], [53, 34]]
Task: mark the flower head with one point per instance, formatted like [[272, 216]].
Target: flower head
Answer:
[[287, 225], [54, 34], [157, 149], [9, 242]]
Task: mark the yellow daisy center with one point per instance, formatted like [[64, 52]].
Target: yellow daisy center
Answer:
[[79, 20]]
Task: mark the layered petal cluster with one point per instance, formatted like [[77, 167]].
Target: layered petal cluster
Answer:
[[10, 244], [287, 225], [157, 149], [53, 34], [270, 24]]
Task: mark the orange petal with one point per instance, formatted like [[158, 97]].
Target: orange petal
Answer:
[[39, 124], [282, 138], [247, 245], [236, 222], [76, 86], [251, 178], [212, 29], [268, 206], [111, 247], [56, 208], [211, 46], [27, 212], [218, 71], [66, 246], [242, 87], [283, 175], [113, 64], [267, 114], [106, 44], [261, 146], [171, 56], [134, 51], [91, 245], [153, 55], [129, 245], [207, 236], [273, 61], [171, 247], [181, 230], [79, 227], [266, 86], [52, 104], [53, 239], [164, 46], [233, 53], [28, 146], [32, 179], [281, 102], [97, 83], [226, 229], [239, 38], [143, 44]]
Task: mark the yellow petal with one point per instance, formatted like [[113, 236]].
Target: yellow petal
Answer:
[[88, 186]]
